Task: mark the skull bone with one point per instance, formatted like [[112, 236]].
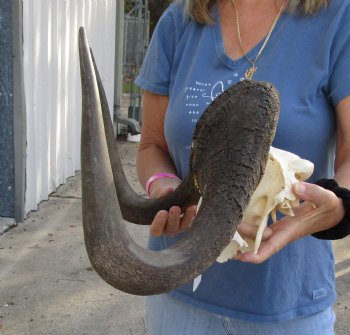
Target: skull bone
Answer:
[[274, 193]]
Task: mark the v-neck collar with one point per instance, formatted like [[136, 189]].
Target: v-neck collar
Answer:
[[236, 64]]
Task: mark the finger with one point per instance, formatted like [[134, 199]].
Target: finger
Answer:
[[284, 231], [247, 230], [313, 193], [173, 224], [159, 222], [188, 217], [268, 248]]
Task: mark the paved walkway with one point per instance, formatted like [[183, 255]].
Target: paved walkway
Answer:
[[48, 287]]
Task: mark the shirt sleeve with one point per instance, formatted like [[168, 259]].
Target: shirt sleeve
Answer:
[[339, 86], [155, 72]]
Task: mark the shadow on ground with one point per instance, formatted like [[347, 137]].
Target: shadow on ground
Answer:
[[47, 285]]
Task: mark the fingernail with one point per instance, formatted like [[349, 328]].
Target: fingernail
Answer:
[[163, 214], [299, 188], [174, 210]]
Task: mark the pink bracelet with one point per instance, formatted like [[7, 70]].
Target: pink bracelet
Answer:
[[158, 176]]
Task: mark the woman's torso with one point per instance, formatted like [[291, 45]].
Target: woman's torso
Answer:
[[299, 60]]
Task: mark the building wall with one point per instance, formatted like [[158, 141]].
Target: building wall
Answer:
[[7, 173], [52, 85]]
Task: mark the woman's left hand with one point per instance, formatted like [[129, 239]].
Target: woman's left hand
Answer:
[[320, 210]]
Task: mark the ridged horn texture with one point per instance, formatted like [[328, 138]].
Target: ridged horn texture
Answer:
[[134, 207], [230, 148]]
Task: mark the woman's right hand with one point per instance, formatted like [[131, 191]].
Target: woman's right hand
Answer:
[[172, 222]]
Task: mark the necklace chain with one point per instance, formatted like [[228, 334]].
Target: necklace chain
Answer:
[[250, 72]]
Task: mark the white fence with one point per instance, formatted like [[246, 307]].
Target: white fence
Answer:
[[52, 85]]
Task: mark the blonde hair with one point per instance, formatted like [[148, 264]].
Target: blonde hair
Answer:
[[199, 10]]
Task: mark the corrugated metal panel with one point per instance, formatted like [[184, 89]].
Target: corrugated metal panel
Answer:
[[52, 85]]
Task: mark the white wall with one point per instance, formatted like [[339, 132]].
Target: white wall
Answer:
[[52, 85]]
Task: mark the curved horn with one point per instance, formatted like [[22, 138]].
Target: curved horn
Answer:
[[240, 125], [135, 208]]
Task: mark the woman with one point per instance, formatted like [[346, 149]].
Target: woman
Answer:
[[199, 49]]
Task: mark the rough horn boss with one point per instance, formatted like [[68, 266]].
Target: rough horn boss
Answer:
[[230, 148]]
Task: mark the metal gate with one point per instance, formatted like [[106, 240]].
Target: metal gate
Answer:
[[135, 43]]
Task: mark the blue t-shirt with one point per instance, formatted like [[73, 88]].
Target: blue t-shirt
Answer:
[[307, 59]]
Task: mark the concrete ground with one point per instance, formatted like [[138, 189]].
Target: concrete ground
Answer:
[[48, 287]]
